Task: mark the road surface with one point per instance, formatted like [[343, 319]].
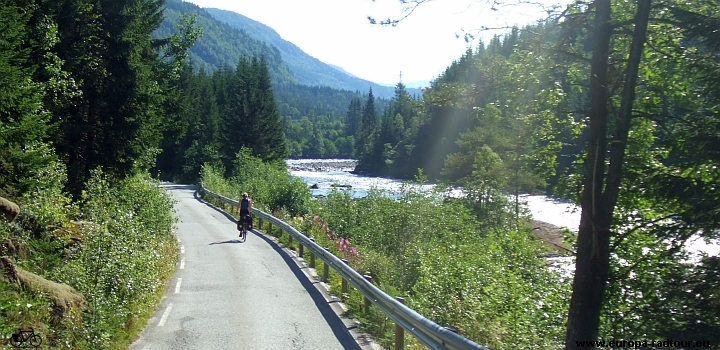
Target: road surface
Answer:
[[231, 295]]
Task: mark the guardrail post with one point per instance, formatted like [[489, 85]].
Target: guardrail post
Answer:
[[326, 269], [399, 331], [269, 229], [344, 286], [301, 249], [367, 301], [260, 223], [312, 256]]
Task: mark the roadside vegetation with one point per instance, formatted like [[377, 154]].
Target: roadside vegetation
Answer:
[[86, 274], [476, 270]]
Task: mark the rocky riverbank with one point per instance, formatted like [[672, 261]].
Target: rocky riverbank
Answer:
[[324, 165]]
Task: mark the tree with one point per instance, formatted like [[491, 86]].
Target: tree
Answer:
[[116, 120], [267, 135], [601, 185], [367, 126], [23, 123], [353, 118], [250, 117]]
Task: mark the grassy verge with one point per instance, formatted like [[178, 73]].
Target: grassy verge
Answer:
[[90, 272]]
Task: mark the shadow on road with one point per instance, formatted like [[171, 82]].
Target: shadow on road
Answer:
[[336, 324], [232, 241]]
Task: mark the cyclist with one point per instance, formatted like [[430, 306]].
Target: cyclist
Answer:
[[245, 210]]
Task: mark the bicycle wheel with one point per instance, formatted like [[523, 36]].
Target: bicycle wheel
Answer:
[[35, 340], [14, 343]]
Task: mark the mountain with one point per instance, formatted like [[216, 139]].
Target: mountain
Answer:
[[307, 70], [222, 45]]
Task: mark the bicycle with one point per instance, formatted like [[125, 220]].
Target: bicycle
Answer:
[[243, 228], [18, 339]]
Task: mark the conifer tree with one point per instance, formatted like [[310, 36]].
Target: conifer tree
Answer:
[[353, 117], [116, 122], [22, 122], [367, 126], [250, 117], [267, 132]]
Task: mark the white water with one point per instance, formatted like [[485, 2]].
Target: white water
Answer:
[[541, 207]]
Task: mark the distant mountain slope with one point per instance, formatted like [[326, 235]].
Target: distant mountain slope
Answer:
[[222, 45], [308, 70]]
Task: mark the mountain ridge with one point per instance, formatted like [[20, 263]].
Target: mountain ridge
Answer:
[[307, 69]]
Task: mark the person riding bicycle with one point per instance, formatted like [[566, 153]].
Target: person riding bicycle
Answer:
[[245, 210]]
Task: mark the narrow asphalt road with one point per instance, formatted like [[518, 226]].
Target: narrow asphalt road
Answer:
[[231, 295]]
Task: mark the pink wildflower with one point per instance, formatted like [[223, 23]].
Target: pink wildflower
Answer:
[[331, 236], [342, 244]]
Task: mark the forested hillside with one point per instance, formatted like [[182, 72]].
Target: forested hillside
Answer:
[[314, 98], [221, 46], [307, 70]]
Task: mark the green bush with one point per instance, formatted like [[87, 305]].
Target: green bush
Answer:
[[118, 256], [480, 276], [270, 185]]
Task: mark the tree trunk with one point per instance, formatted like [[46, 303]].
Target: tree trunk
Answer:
[[593, 245], [600, 194]]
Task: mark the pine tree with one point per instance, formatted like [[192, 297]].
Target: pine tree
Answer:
[[116, 121], [267, 131], [250, 116], [367, 126], [353, 117], [22, 122]]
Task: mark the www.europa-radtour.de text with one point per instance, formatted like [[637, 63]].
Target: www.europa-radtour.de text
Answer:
[[638, 344]]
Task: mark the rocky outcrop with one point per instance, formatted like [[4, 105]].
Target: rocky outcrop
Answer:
[[9, 209], [64, 297]]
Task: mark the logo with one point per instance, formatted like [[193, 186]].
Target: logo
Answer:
[[25, 338]]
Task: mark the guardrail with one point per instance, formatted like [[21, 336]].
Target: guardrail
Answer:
[[428, 332]]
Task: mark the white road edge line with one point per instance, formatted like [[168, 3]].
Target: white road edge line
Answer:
[[177, 285], [182, 264], [182, 250], [165, 315]]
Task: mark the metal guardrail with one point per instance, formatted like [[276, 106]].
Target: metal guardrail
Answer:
[[428, 332]]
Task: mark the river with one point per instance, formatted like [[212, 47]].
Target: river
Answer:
[[325, 174]]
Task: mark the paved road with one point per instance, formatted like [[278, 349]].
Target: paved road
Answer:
[[231, 295]]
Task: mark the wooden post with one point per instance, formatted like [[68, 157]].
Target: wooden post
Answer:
[[367, 301], [344, 286], [399, 331], [312, 256], [269, 229], [301, 249], [326, 269]]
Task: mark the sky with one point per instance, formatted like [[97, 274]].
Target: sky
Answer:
[[338, 32]]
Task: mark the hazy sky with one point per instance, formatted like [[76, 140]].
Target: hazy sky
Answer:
[[338, 32]]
